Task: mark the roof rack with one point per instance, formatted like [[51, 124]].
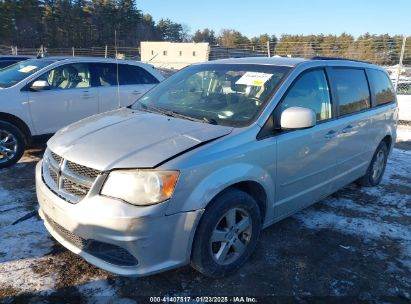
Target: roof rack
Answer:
[[336, 58]]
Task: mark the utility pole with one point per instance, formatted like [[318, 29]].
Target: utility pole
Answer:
[[404, 40], [268, 49]]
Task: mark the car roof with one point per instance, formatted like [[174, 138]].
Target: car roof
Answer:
[[13, 57], [293, 62], [90, 59], [284, 61]]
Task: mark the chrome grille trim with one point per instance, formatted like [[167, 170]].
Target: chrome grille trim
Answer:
[[83, 171], [65, 182]]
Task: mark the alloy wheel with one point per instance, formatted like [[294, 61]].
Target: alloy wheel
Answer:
[[231, 236], [8, 146], [378, 166]]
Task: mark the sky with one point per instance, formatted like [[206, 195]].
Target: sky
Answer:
[[253, 18]]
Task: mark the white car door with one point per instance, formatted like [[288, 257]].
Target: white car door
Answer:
[[69, 97], [132, 82]]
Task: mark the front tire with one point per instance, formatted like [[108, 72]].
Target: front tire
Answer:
[[227, 234], [12, 144], [376, 168]]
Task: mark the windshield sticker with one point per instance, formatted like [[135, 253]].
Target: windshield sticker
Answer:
[[254, 79], [28, 69]]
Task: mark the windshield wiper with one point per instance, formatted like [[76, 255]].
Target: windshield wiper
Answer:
[[151, 108], [179, 115], [145, 108]]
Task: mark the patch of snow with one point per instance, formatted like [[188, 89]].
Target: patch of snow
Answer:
[[25, 239], [23, 244], [96, 291], [356, 226], [368, 217], [19, 275]]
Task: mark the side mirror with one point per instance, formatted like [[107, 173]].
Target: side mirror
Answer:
[[298, 118], [40, 85]]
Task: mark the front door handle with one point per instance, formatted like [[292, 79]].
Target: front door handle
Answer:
[[331, 134], [347, 129], [136, 92], [87, 96]]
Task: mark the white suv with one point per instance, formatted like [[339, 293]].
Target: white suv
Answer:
[[40, 96]]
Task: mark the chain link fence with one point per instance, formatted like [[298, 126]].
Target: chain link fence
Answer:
[[105, 51], [394, 54]]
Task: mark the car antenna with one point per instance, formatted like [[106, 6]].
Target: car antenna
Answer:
[[118, 80]]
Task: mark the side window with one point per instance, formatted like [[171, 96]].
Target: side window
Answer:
[[384, 92], [351, 89], [131, 74], [310, 91], [7, 63], [106, 74], [69, 76]]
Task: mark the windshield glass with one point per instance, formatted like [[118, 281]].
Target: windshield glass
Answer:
[[226, 94], [21, 70]]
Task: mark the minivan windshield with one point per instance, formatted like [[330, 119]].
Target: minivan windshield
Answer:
[[226, 94], [21, 70]]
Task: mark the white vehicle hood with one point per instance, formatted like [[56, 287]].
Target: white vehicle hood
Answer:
[[128, 138]]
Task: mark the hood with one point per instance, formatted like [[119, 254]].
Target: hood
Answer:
[[128, 138]]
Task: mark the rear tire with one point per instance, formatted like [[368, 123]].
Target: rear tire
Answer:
[[376, 168], [12, 144], [227, 234]]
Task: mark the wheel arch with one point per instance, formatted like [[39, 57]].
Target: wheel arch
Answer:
[[19, 123], [256, 191], [388, 140]]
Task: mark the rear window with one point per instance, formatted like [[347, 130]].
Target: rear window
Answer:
[[131, 74], [383, 90], [7, 63], [352, 90], [106, 74]]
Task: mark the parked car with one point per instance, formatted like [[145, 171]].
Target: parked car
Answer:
[[8, 60], [40, 96], [194, 170], [404, 100]]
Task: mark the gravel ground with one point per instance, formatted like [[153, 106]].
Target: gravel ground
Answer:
[[353, 246]]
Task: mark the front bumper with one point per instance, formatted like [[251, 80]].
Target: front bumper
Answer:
[[156, 241]]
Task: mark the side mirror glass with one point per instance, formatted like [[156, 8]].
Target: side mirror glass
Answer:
[[40, 85], [297, 118]]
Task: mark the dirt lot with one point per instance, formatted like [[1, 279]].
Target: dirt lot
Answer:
[[356, 243]]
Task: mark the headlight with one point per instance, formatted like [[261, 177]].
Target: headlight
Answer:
[[140, 187]]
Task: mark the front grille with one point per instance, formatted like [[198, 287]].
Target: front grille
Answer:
[[67, 179], [82, 170], [56, 157], [53, 175], [74, 188], [107, 252]]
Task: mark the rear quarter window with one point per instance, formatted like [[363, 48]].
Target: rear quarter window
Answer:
[[351, 89], [383, 90]]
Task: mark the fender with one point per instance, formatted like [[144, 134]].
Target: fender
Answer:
[[215, 182]]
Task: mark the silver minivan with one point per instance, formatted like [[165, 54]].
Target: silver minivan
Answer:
[[198, 166]]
